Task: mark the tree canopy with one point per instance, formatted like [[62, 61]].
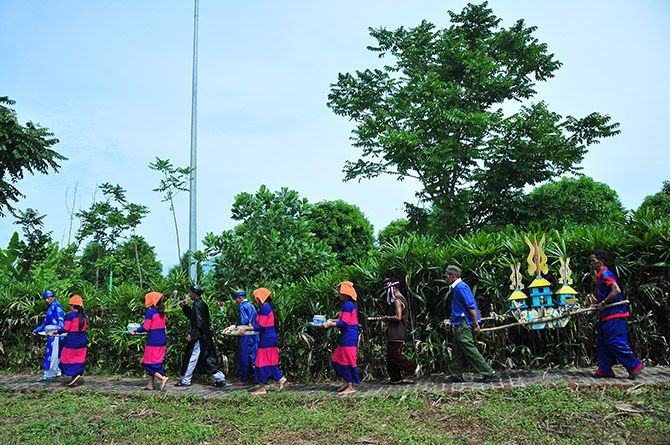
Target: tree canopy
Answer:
[[23, 149], [572, 201], [658, 202], [344, 228], [439, 112], [273, 244]]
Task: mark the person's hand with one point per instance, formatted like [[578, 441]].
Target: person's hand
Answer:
[[188, 337], [327, 324], [476, 329], [52, 333], [133, 331], [600, 306]]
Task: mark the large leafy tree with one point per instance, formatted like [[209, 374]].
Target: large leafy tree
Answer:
[[22, 149], [122, 260], [441, 112], [398, 228], [344, 228], [658, 202], [107, 222], [572, 201], [273, 244]]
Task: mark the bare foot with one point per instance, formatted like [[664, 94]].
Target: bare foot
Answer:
[[282, 383], [147, 388], [259, 392], [346, 392], [343, 387], [163, 382], [74, 380]]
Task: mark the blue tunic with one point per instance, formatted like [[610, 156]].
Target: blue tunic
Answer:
[[247, 344], [55, 316]]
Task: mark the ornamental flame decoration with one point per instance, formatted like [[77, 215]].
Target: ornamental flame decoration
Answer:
[[544, 310]]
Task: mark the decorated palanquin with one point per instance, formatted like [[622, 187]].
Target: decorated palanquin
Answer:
[[541, 308]]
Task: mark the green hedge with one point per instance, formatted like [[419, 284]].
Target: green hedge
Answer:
[[642, 248]]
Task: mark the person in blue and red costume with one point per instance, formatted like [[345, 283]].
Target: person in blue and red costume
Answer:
[[75, 345], [344, 357], [154, 351], [247, 344], [55, 317], [267, 356], [611, 333]]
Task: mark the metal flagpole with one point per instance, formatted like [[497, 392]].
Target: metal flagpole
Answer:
[[193, 235]]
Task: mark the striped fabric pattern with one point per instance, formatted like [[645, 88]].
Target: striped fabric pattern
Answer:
[[345, 355], [267, 356], [604, 280], [73, 354], [154, 352]]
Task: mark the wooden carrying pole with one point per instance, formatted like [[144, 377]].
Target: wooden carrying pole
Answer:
[[547, 319]]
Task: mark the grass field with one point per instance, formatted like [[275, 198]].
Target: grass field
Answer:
[[532, 415]]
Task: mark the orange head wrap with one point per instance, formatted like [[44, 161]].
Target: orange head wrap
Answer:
[[347, 288], [261, 294], [152, 298], [76, 300]]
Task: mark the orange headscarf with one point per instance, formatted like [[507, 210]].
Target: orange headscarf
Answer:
[[347, 288], [261, 294], [76, 300], [152, 298]]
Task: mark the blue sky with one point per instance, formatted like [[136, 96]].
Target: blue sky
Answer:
[[112, 80]]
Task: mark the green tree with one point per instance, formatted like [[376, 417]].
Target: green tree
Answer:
[[106, 222], [35, 244], [272, 245], [572, 201], [396, 228], [344, 228], [22, 149], [122, 260], [435, 113], [174, 181], [659, 202]]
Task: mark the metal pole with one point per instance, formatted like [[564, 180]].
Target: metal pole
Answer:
[[193, 235]]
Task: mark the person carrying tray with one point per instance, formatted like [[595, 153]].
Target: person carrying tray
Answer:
[[267, 356], [154, 351], [345, 355], [55, 317], [247, 345], [75, 345]]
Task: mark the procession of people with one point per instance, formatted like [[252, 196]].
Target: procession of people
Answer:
[[258, 355]]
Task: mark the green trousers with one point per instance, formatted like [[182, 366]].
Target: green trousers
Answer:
[[464, 348]]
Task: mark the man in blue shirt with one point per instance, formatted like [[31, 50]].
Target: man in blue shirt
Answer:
[[247, 344], [465, 320], [55, 317]]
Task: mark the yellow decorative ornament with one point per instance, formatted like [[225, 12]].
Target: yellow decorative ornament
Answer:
[[537, 260]]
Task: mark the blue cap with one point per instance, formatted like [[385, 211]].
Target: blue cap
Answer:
[[48, 293], [239, 293]]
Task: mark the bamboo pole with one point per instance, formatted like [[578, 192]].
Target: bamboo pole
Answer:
[[547, 319]]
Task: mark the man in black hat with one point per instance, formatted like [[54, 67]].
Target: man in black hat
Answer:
[[200, 354]]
